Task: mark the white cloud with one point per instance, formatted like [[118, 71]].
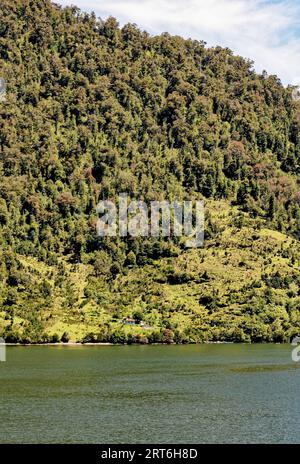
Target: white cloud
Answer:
[[267, 32]]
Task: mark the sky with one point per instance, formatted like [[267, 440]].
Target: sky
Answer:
[[265, 31]]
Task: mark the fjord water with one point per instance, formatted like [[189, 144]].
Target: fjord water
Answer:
[[150, 394]]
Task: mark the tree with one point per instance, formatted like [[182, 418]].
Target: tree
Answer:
[[272, 207], [138, 316], [65, 338], [130, 259]]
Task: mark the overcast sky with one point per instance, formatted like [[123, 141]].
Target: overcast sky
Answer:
[[266, 31]]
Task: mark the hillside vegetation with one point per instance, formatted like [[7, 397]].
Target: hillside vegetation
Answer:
[[93, 110]]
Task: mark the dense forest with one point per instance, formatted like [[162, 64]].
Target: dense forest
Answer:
[[93, 109]]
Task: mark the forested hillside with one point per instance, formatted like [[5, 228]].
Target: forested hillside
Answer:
[[93, 110]]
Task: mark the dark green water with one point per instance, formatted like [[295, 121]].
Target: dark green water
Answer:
[[150, 394]]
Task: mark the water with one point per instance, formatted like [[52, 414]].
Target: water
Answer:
[[150, 394]]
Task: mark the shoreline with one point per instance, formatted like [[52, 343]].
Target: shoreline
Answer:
[[61, 344], [71, 344]]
